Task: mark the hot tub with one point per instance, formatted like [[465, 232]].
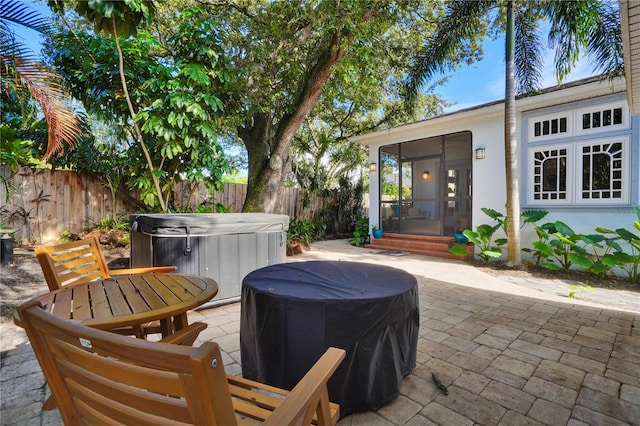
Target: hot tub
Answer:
[[222, 246]]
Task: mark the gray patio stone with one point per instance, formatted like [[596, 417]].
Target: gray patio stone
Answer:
[[534, 338], [511, 418], [590, 417], [521, 356], [505, 377], [561, 345], [400, 410], [595, 354], [504, 332], [469, 362], [418, 389], [492, 341], [608, 405], [602, 384], [550, 391], [514, 366], [582, 363], [474, 407], [560, 374], [441, 415], [536, 350], [508, 397], [472, 382], [549, 413]]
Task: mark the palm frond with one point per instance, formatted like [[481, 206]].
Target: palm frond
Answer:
[[528, 51], [463, 21], [20, 14], [48, 91], [571, 23], [605, 42]]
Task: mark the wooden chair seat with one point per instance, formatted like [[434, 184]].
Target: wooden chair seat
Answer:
[[81, 261], [99, 377]]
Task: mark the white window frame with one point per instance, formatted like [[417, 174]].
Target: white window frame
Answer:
[[570, 176], [599, 108], [557, 115], [626, 158]]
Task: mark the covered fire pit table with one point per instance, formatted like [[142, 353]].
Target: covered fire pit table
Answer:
[[291, 313]]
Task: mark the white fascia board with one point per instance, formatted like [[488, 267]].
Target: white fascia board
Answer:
[[461, 120]]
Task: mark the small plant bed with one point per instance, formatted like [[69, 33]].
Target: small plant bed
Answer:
[[584, 278]]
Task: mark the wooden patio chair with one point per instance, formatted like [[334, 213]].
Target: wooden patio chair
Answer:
[[99, 377], [81, 261]]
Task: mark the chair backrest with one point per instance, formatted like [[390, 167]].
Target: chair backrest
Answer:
[[71, 263], [99, 377]]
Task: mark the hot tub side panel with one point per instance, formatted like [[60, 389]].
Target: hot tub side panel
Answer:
[[226, 258]]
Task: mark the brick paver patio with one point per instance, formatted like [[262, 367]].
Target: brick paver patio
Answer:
[[507, 355]]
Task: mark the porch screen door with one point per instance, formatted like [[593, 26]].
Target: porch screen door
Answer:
[[425, 185]]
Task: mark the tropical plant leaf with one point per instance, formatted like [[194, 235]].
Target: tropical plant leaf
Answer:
[[582, 261], [531, 216], [459, 249], [564, 229], [493, 214], [492, 252], [550, 265]]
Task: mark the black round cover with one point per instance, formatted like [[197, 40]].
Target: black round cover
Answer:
[[291, 313]]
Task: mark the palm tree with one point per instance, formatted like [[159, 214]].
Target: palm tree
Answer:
[[23, 74], [591, 25]]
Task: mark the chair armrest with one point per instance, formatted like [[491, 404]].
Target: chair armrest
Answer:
[[310, 395], [185, 336], [145, 270]]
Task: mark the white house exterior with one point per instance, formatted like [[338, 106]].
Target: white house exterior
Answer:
[[578, 159]]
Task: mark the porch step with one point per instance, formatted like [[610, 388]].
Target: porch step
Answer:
[[425, 245]]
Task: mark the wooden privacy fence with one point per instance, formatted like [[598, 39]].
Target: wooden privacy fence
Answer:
[[47, 203]]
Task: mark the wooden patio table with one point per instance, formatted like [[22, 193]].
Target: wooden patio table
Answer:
[[130, 300]]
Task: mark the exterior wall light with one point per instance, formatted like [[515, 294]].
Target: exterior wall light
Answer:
[[426, 174], [480, 153], [373, 167]]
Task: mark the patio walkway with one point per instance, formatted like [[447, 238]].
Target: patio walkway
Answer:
[[508, 353]]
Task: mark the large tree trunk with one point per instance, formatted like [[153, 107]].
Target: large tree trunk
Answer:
[[268, 143], [514, 257]]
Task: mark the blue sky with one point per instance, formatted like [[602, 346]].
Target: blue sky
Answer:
[[484, 81]]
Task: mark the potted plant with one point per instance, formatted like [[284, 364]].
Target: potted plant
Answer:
[[377, 232]]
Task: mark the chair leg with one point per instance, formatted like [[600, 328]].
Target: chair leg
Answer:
[[50, 403]]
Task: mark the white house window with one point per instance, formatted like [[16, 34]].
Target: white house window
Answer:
[[602, 118], [549, 126], [550, 174], [604, 170]]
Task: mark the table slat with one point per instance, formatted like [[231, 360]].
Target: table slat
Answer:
[[132, 295], [61, 305], [162, 290], [118, 303], [185, 287], [81, 304], [147, 293], [99, 302]]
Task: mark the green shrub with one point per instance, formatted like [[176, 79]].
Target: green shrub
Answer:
[[361, 232], [301, 230]]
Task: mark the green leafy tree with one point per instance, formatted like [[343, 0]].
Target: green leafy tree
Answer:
[[175, 82], [287, 56], [120, 18], [593, 25]]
